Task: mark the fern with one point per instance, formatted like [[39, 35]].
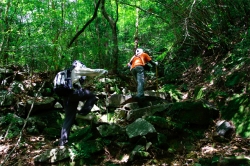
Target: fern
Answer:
[[199, 93], [173, 92]]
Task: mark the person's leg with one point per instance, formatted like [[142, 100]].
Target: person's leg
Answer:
[[70, 107], [134, 74], [90, 98], [140, 81]]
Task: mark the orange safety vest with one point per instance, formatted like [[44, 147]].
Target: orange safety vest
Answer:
[[139, 60]]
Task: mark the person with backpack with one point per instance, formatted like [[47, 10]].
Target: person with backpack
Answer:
[[137, 66], [69, 87]]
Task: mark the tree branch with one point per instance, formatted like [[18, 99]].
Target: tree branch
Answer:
[[146, 11], [86, 25]]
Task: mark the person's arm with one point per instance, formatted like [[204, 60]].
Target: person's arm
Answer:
[[153, 63], [130, 62], [77, 72], [148, 59]]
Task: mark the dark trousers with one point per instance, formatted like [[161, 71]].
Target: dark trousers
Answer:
[[138, 73], [70, 107]]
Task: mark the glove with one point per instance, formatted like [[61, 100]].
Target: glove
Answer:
[[105, 72], [82, 79], [156, 63]]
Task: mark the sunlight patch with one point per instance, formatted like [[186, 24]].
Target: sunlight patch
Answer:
[[208, 150]]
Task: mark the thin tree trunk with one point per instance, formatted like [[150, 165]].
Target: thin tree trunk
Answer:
[[4, 36], [136, 36], [86, 25], [112, 23]]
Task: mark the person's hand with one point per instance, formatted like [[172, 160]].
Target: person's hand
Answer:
[[105, 72]]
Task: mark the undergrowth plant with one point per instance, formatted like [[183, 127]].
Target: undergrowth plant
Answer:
[[173, 91]]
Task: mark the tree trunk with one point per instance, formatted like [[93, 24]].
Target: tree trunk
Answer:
[[86, 25], [112, 23], [136, 38], [4, 28]]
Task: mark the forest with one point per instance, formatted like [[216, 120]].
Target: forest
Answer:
[[198, 105]]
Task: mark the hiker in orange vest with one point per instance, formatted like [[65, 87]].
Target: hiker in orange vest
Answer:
[[137, 64]]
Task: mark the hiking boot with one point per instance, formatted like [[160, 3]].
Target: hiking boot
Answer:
[[62, 144], [135, 97], [141, 102], [61, 147], [138, 98]]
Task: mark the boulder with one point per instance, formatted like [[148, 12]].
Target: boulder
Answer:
[[120, 113], [224, 131], [146, 111], [116, 100], [146, 101], [106, 130], [131, 106], [196, 113], [158, 121], [40, 104], [224, 127], [162, 95], [53, 155], [58, 105], [140, 127]]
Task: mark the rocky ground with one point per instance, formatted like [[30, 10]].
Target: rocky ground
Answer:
[[22, 148]]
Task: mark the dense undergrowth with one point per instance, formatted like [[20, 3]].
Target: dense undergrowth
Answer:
[[222, 80]]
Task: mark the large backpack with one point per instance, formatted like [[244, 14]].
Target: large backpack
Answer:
[[62, 83]]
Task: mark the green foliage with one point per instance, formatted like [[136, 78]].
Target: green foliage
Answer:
[[237, 110], [199, 93], [81, 135], [36, 34], [158, 121], [173, 91], [117, 90], [99, 86], [84, 149], [235, 79], [14, 124]]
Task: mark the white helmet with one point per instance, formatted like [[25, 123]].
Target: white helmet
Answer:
[[138, 51], [78, 63]]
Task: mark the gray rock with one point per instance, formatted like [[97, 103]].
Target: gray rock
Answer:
[[120, 113], [197, 113], [146, 111], [16, 87], [158, 121], [140, 127], [224, 128], [116, 100], [156, 94], [40, 104], [131, 106], [53, 155], [58, 105]]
